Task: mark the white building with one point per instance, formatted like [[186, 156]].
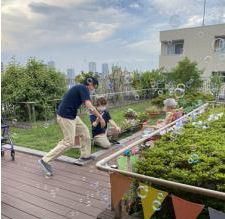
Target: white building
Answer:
[[92, 67], [205, 45]]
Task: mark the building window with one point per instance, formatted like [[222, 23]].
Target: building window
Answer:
[[174, 47], [219, 44]]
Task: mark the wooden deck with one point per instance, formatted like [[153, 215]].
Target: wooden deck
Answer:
[[73, 192]]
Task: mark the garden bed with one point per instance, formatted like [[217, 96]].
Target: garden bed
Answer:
[[194, 155]]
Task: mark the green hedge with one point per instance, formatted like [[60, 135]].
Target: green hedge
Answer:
[[195, 157]]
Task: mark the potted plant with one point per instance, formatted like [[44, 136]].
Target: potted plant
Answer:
[[153, 111], [142, 117], [130, 114]]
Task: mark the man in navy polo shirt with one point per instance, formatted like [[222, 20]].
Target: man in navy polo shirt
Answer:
[[71, 124]]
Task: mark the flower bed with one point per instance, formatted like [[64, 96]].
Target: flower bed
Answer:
[[194, 156]]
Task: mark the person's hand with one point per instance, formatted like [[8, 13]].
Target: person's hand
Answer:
[[118, 129], [102, 122]]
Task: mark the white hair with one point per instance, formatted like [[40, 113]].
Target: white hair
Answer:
[[170, 102]]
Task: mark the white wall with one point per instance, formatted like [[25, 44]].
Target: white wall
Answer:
[[198, 46]]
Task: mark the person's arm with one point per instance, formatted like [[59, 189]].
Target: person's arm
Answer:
[[95, 123], [168, 118], [115, 125], [94, 111]]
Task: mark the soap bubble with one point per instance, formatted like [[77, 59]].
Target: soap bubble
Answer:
[[142, 191], [188, 84], [181, 86], [160, 92], [193, 159], [156, 205], [73, 214], [207, 59], [160, 196], [153, 84], [88, 203], [179, 92], [136, 97], [46, 125], [14, 121]]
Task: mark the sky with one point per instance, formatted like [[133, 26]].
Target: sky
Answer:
[[75, 32]]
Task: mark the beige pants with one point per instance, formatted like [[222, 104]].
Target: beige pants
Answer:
[[72, 129], [102, 141]]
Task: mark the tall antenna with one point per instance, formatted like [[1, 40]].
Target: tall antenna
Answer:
[[203, 19]]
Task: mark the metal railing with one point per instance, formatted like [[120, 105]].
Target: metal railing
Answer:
[[103, 164]]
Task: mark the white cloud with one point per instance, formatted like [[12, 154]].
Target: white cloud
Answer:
[[100, 31], [192, 21], [171, 7], [134, 5], [149, 46]]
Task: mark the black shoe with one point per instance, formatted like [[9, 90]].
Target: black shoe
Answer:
[[83, 159], [46, 167], [115, 142]]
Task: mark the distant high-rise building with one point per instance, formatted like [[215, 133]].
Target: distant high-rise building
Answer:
[[51, 64], [92, 66], [70, 73], [70, 77], [105, 69]]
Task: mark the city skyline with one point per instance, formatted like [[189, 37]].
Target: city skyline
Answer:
[[120, 32]]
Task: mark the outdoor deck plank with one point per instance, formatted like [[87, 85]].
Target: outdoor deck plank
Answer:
[[61, 167], [48, 193], [12, 212], [66, 195], [69, 186], [50, 201]]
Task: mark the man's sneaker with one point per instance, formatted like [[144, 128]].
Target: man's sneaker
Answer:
[[83, 159], [46, 167]]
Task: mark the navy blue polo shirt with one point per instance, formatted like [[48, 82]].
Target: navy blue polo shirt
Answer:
[[98, 130], [72, 101]]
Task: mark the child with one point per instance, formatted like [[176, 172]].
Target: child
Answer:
[[99, 134]]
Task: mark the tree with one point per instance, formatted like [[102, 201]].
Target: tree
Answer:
[[34, 82], [186, 72], [216, 84]]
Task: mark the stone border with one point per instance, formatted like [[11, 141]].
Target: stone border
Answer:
[[71, 160]]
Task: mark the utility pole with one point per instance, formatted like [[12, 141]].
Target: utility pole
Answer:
[[203, 19]]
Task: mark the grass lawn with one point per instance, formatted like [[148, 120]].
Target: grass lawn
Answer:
[[44, 136]]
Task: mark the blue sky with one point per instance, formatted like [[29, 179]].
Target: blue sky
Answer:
[[74, 32]]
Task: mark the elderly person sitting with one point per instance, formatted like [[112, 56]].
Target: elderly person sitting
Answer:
[[172, 113]]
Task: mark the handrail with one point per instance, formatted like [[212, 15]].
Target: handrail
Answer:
[[102, 164]]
